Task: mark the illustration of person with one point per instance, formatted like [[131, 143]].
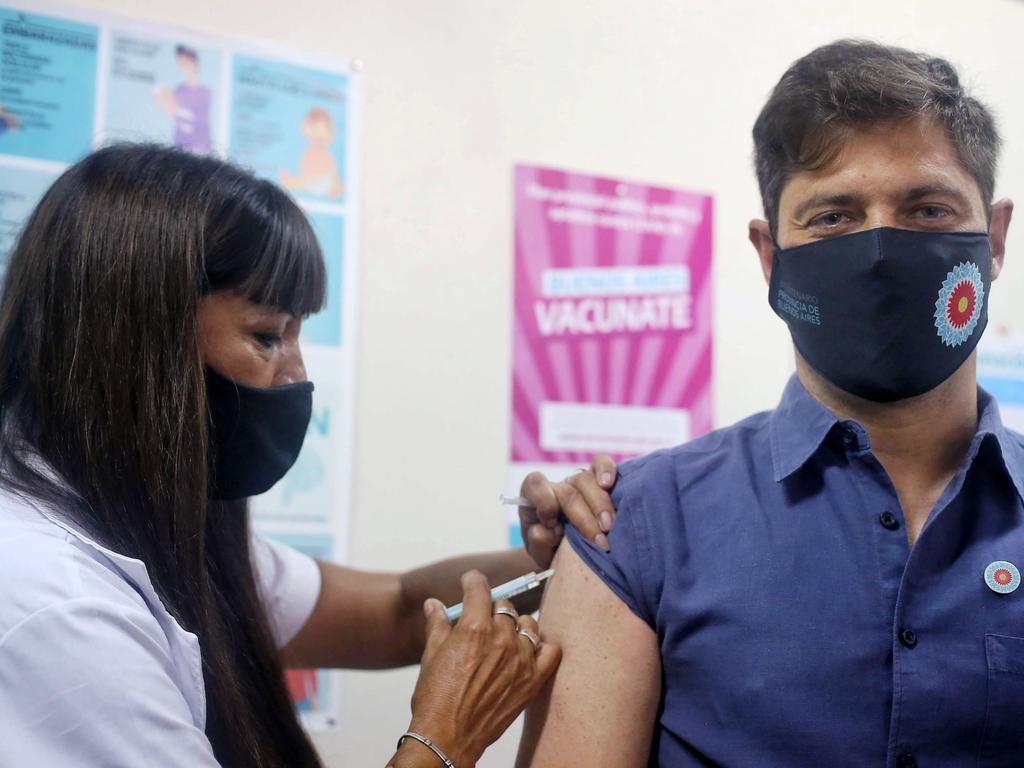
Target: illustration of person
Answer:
[[318, 169], [8, 122], [188, 104]]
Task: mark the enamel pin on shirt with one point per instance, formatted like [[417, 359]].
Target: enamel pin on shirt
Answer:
[[1002, 577]]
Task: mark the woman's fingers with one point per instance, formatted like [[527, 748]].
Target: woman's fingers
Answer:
[[541, 543], [530, 623], [506, 617], [476, 599], [583, 498], [539, 522], [548, 657], [598, 501], [438, 627], [605, 470], [538, 489], [544, 657], [529, 639], [578, 509], [478, 676]]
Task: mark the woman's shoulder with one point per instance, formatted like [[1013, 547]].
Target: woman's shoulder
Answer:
[[44, 565], [86, 647], [85, 656]]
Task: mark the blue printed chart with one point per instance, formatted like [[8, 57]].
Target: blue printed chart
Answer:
[[288, 123], [49, 85], [20, 190], [73, 80], [162, 89]]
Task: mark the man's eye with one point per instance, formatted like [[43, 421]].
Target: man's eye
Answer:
[[829, 220], [932, 212]]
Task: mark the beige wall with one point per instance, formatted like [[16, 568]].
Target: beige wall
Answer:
[[456, 91]]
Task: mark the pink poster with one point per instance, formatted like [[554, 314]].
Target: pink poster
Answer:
[[612, 327]]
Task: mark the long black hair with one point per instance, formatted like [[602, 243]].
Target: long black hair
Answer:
[[103, 412]]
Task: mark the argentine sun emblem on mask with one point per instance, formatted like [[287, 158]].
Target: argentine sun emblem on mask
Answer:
[[959, 304]]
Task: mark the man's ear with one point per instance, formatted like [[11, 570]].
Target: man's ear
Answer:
[[760, 235], [1002, 212]]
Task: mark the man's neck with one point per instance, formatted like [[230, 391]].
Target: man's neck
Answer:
[[920, 441]]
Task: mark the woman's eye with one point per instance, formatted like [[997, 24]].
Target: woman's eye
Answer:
[[268, 340]]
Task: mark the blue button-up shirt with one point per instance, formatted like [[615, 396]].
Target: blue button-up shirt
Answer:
[[796, 626]]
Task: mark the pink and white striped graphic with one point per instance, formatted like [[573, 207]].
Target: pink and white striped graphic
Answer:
[[612, 331]]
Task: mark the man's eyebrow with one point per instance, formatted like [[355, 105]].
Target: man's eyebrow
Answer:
[[936, 190], [826, 200]]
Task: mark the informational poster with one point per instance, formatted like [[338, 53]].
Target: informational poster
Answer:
[[1001, 373], [612, 321], [48, 77], [312, 689], [289, 124], [163, 89], [72, 80]]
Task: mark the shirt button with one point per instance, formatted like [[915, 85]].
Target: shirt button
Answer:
[[889, 520], [909, 640], [906, 761]]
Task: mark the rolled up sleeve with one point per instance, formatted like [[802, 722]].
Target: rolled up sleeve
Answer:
[[289, 583]]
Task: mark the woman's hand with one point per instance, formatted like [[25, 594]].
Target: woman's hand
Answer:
[[476, 677], [584, 499]]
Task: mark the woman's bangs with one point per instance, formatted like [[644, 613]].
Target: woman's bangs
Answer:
[[286, 264]]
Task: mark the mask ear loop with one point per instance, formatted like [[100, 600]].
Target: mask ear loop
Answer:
[[776, 250]]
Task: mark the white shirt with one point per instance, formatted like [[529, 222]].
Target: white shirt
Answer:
[[93, 669]]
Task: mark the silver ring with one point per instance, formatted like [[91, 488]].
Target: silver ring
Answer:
[[530, 636], [503, 611]]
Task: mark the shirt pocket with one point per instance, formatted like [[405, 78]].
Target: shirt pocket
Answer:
[[1002, 741]]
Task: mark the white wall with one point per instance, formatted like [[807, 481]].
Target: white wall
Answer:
[[456, 91]]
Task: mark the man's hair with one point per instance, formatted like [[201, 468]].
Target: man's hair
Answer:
[[852, 84], [188, 53]]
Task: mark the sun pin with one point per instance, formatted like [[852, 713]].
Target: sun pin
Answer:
[[1002, 577]]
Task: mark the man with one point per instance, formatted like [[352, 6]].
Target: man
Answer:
[[188, 104], [825, 584]]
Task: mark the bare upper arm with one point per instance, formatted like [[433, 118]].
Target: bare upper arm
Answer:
[[600, 707], [358, 622]]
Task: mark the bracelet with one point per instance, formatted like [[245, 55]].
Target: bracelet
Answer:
[[428, 744]]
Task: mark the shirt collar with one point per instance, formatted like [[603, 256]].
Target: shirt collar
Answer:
[[990, 426], [800, 424]]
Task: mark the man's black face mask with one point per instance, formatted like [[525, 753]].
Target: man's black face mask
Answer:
[[885, 314]]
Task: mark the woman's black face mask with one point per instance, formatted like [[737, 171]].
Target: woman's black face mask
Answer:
[[255, 434], [885, 314]]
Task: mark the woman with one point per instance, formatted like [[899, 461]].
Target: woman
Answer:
[[150, 381]]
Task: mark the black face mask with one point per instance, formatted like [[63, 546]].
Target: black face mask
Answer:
[[255, 434], [887, 313]]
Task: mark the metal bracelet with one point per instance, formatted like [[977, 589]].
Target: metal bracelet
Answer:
[[428, 744]]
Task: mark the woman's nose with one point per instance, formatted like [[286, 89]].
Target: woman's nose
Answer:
[[292, 369]]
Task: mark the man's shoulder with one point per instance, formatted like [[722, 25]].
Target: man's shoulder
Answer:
[[1014, 436], [700, 461], [1012, 443]]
